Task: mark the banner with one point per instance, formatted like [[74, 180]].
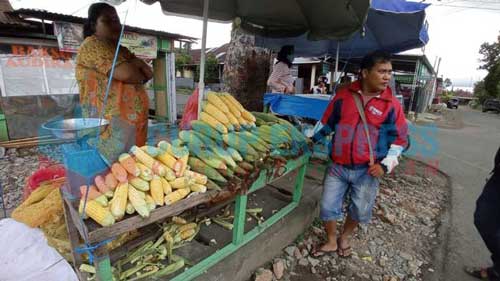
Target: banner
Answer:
[[70, 37]]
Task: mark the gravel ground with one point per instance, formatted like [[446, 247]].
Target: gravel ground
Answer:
[[397, 245]]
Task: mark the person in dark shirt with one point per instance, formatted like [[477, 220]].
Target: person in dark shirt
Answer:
[[486, 219]]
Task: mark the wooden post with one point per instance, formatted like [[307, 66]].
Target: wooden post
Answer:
[[160, 85]]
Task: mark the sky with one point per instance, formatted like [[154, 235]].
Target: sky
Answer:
[[456, 29]]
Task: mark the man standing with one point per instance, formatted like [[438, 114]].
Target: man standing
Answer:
[[358, 161], [488, 224]]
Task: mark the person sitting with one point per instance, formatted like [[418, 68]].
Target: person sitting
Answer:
[[281, 80]]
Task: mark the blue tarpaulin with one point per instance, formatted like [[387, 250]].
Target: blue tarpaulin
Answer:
[[308, 106], [392, 25]]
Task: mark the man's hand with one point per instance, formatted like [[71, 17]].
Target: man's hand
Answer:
[[376, 170]]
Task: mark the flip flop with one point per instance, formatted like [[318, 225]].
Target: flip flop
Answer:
[[482, 273], [342, 251], [317, 252]]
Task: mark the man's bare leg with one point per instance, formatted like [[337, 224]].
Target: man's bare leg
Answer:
[[331, 244], [345, 238]]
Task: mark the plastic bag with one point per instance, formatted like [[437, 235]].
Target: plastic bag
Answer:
[[190, 111]]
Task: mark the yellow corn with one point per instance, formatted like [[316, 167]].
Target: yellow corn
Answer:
[[188, 233], [248, 116], [139, 183], [99, 214], [198, 178], [138, 202], [157, 190], [213, 122], [167, 159], [178, 220], [198, 188], [165, 186], [146, 173], [216, 113], [233, 120], [243, 121], [233, 109], [214, 99], [119, 202], [182, 182], [129, 209], [176, 196], [150, 202], [183, 162], [148, 161], [188, 226], [234, 101]]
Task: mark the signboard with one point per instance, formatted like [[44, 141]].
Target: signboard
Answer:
[[70, 37], [143, 46]]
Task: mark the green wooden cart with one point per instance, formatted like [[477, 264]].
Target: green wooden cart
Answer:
[[96, 234]]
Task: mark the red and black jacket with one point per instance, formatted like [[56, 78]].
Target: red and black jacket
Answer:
[[386, 124]]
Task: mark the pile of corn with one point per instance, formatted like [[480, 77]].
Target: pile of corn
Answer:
[[154, 259], [226, 144]]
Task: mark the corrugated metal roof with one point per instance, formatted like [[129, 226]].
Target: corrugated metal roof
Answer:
[[46, 15], [11, 20]]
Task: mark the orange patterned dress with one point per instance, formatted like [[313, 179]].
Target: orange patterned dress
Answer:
[[127, 104]]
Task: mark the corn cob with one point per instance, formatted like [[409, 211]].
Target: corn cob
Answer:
[[119, 172], [139, 203], [157, 191], [99, 214], [215, 113], [232, 107], [198, 188], [150, 150], [253, 141], [234, 101], [184, 165], [138, 183], [213, 122], [146, 173], [182, 182], [233, 120], [175, 150], [212, 185], [234, 154], [199, 178], [208, 142], [129, 209], [191, 138], [129, 164], [239, 144], [111, 181], [228, 173], [245, 165], [208, 157], [240, 171], [248, 116], [165, 186], [119, 202], [178, 220], [150, 202], [267, 117], [200, 167], [207, 130], [187, 226], [100, 183], [224, 155], [169, 173], [148, 161], [93, 194], [187, 233], [176, 196], [214, 99]]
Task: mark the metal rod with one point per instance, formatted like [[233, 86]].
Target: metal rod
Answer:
[[3, 201], [201, 82]]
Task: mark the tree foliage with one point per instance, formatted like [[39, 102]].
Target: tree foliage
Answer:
[[489, 87], [211, 70]]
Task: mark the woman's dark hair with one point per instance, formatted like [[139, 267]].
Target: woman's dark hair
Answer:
[[95, 11], [373, 58], [283, 54]]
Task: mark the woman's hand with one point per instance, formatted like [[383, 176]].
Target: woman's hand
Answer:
[[144, 67]]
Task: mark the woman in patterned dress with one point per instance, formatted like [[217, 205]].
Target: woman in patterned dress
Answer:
[[127, 103]]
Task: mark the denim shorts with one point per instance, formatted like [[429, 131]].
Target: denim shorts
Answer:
[[361, 187]]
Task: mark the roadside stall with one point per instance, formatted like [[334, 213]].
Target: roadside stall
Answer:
[[137, 217]]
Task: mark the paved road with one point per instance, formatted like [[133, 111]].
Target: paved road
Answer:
[[466, 155]]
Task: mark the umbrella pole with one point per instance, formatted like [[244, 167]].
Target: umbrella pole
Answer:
[[201, 83], [336, 65]]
